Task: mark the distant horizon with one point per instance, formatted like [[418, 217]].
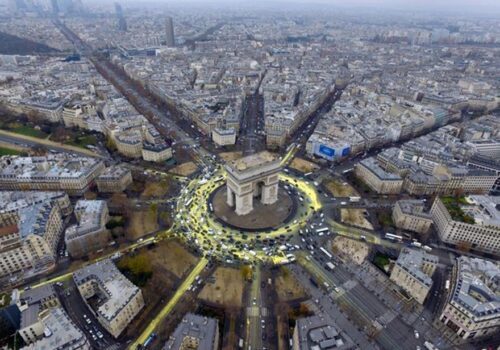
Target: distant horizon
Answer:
[[487, 7]]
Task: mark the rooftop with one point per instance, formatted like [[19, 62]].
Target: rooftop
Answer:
[[60, 332], [199, 329], [477, 287], [319, 332], [117, 288], [412, 260], [253, 161]]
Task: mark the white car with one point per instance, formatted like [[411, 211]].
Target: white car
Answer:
[[416, 334]]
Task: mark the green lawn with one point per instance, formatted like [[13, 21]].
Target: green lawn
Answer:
[[29, 131], [8, 152], [381, 261], [4, 299], [83, 141], [453, 206]]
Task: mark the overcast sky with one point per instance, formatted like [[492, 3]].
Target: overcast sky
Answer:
[[452, 5]]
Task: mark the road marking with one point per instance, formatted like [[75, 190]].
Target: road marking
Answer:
[[170, 305]]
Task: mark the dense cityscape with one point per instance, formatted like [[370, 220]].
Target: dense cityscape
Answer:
[[236, 175]]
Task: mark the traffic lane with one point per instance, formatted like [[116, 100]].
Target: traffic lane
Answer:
[[325, 304], [76, 307], [369, 308]]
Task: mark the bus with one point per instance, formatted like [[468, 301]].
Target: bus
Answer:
[[347, 171], [326, 252], [393, 237], [220, 178], [323, 229], [149, 340], [307, 174], [188, 202], [354, 199], [427, 248]]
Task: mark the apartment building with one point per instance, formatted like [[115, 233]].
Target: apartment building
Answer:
[[31, 242], [377, 178], [472, 308], [13, 201], [121, 300], [224, 137], [90, 234], [410, 215], [54, 330], [473, 222], [413, 272], [51, 173], [194, 332], [156, 152], [114, 179]]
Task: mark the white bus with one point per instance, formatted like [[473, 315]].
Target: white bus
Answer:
[[323, 229], [188, 202], [354, 199], [326, 252], [393, 237]]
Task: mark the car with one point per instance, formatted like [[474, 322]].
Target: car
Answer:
[[417, 335]]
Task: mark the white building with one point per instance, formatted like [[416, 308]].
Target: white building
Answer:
[[413, 272], [90, 234], [475, 224], [472, 308], [121, 300], [51, 173]]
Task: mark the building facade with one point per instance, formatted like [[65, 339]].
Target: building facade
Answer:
[[472, 308], [377, 178], [413, 272], [90, 234], [410, 215], [114, 179], [482, 235], [121, 300]]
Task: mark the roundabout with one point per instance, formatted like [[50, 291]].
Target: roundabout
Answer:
[[215, 236], [263, 216]]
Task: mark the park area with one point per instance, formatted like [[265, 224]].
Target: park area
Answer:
[[184, 169], [141, 222], [288, 287], [303, 165], [355, 217], [226, 289], [350, 249], [339, 189], [155, 189], [158, 271], [230, 156]]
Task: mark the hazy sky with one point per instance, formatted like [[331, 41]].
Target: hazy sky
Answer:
[[491, 6]]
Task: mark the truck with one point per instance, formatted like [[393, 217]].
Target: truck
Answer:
[[330, 265], [427, 248]]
